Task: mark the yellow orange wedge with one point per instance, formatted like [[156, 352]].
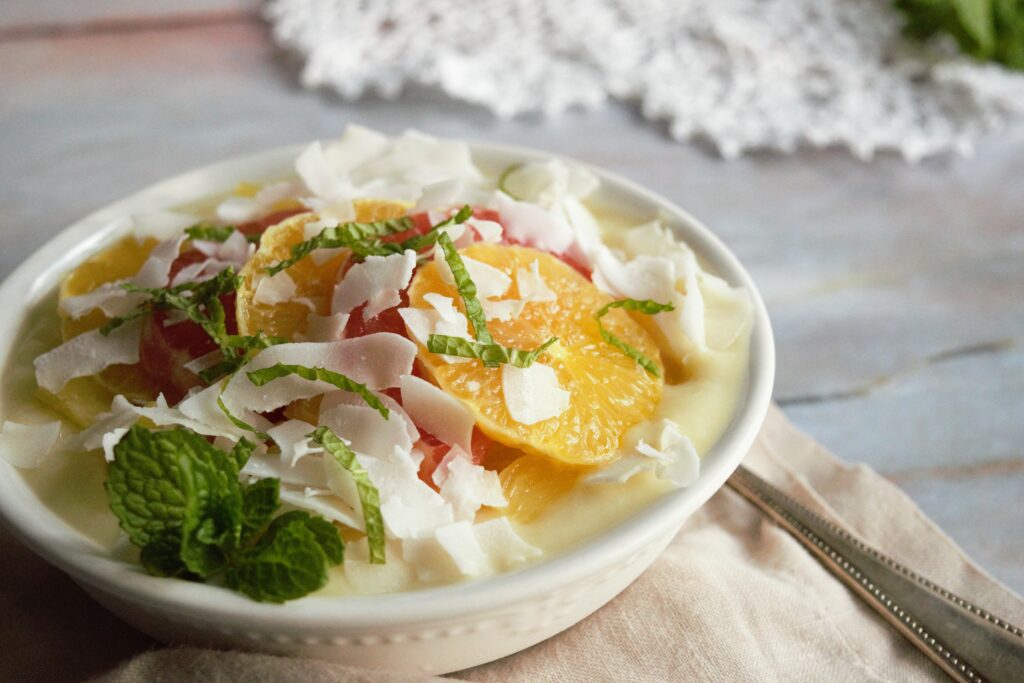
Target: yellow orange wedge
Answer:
[[314, 278], [82, 399], [609, 392], [533, 482]]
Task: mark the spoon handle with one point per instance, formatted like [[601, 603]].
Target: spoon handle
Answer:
[[969, 643]]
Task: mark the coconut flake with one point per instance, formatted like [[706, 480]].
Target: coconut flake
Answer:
[[655, 278], [113, 299], [204, 362], [313, 167], [88, 354], [531, 284], [27, 446], [468, 487], [367, 431], [441, 318], [446, 194], [490, 282], [414, 521], [320, 502], [533, 225], [504, 547], [162, 224], [292, 438], [549, 182], [487, 231], [274, 289], [377, 282], [377, 360], [236, 209], [463, 549], [325, 328], [532, 394], [437, 412], [307, 472], [670, 456]]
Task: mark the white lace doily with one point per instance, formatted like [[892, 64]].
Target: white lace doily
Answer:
[[744, 74]]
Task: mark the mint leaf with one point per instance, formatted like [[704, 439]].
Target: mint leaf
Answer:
[[639, 306], [241, 452], [344, 235], [155, 482], [328, 537], [985, 29], [492, 354], [162, 555], [369, 496], [174, 481], [209, 232], [259, 501], [287, 562], [279, 370]]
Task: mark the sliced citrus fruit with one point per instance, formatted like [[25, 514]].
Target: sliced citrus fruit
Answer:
[[609, 392], [119, 261], [532, 483], [82, 399], [314, 278]]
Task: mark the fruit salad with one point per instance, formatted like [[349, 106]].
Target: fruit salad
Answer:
[[389, 369]]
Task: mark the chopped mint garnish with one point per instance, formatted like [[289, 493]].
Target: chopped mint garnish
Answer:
[[364, 239], [261, 377], [349, 235], [180, 500], [467, 290], [490, 354], [369, 496], [638, 306], [199, 301], [237, 351], [241, 424], [211, 232]]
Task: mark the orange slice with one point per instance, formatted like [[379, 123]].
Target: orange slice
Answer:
[[609, 392], [532, 483], [83, 398], [314, 280]]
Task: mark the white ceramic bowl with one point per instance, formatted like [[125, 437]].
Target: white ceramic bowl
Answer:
[[436, 630]]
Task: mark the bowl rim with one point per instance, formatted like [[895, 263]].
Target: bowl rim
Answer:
[[54, 540]]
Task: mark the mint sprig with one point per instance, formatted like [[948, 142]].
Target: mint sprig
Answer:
[[638, 306], [289, 560], [279, 370], [180, 500], [490, 354], [211, 232], [369, 496]]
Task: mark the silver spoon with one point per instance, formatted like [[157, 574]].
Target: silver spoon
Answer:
[[969, 643]]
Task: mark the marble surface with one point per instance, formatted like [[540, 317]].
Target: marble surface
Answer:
[[896, 291]]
